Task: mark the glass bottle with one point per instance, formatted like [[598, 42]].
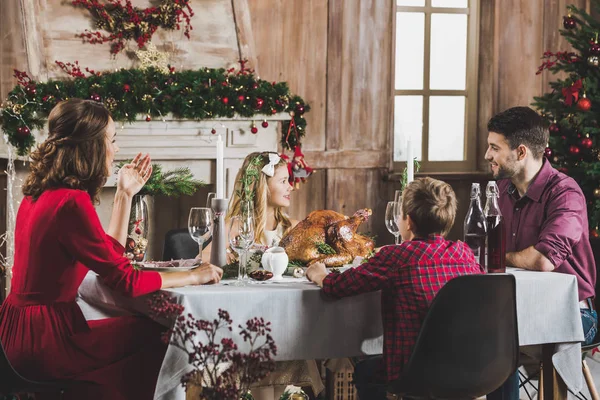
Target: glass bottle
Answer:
[[475, 226], [496, 231]]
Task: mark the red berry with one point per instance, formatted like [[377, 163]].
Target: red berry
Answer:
[[126, 88], [554, 128], [225, 100], [241, 98], [138, 231], [574, 150]]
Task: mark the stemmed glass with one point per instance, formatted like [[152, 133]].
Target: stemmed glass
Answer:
[[200, 224], [391, 219], [241, 238]]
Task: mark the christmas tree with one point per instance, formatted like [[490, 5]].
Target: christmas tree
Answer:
[[572, 108]]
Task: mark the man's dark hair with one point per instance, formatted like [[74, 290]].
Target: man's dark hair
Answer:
[[521, 125]]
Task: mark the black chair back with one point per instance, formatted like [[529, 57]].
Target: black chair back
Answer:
[[468, 344], [180, 245]]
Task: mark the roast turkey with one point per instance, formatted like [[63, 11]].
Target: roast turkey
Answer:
[[329, 237]]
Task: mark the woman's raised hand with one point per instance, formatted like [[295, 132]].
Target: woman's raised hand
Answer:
[[133, 176]]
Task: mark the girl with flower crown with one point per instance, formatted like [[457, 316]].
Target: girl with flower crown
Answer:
[[264, 179]]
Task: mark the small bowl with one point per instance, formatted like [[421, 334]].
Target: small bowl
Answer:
[[260, 275]]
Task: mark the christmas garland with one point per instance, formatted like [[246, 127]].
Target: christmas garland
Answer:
[[132, 93], [176, 182], [125, 22]]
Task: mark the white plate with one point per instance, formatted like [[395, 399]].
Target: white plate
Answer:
[[163, 266]]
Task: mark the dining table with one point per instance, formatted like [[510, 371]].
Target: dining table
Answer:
[[306, 324]]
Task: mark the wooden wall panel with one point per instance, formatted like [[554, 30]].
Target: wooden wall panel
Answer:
[[291, 45], [309, 196], [359, 74], [519, 29], [12, 46]]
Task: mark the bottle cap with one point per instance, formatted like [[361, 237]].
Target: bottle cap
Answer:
[[491, 189]]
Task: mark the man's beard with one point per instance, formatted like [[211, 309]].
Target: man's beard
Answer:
[[504, 172]]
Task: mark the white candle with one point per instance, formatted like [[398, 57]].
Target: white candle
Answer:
[[219, 181], [410, 164]]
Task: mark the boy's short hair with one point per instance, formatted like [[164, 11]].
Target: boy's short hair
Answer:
[[431, 204]]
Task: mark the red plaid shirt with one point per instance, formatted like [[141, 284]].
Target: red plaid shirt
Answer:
[[409, 275]]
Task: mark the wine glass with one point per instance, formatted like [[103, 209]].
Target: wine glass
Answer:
[[200, 224], [241, 238], [391, 219], [211, 195]]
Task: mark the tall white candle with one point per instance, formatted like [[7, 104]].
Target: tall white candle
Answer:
[[410, 164], [220, 183]]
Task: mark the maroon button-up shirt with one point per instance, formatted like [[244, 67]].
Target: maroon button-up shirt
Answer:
[[410, 275], [552, 217]]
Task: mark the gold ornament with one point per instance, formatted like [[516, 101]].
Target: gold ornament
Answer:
[[593, 61], [95, 86], [146, 97], [153, 58], [111, 104], [597, 193], [298, 396], [17, 108]]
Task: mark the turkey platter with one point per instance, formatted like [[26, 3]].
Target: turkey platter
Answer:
[[328, 237]]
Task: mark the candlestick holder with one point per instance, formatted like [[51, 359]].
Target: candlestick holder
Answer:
[[218, 253]]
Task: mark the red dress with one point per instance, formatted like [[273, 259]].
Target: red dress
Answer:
[[58, 238]]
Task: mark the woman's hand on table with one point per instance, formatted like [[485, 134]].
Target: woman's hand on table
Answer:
[[206, 274], [316, 273], [133, 176]]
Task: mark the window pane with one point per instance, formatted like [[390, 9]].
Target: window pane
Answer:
[[450, 3], [413, 3], [448, 51], [410, 45], [408, 123], [446, 128]]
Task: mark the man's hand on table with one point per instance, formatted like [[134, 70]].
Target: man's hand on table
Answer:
[[316, 273]]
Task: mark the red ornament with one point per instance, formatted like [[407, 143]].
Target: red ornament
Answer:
[[584, 104], [273, 111], [96, 97], [587, 143], [548, 152], [255, 85], [23, 131], [264, 124], [554, 128], [594, 233], [569, 22], [259, 102], [254, 130], [574, 150], [594, 49], [241, 98], [148, 118], [138, 231], [224, 83], [300, 109], [225, 100], [213, 131], [127, 88], [31, 89]]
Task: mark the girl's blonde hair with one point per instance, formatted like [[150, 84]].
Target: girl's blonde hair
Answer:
[[251, 181]]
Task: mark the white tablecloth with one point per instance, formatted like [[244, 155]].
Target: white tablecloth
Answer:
[[307, 325]]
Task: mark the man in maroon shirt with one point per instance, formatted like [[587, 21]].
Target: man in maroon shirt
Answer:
[[409, 276], [544, 211]]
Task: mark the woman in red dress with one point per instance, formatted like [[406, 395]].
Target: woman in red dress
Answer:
[[58, 238]]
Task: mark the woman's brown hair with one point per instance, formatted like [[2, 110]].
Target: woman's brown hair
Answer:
[[74, 154], [431, 204]]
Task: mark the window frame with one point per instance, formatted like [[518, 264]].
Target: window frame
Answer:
[[469, 164]]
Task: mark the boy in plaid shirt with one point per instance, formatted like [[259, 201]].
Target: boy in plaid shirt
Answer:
[[409, 275]]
